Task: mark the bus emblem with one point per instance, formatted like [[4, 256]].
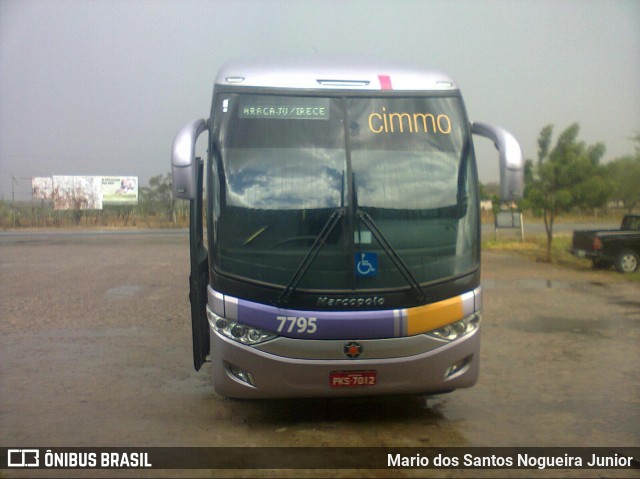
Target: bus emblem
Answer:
[[352, 349]]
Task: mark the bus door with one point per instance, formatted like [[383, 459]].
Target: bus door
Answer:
[[187, 173], [199, 277]]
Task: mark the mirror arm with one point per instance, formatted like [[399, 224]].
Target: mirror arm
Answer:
[[511, 159], [183, 164]]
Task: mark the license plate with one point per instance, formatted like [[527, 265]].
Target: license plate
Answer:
[[352, 379]]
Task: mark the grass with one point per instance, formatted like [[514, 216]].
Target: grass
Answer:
[[27, 215], [534, 249]]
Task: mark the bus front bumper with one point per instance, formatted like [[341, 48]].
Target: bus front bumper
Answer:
[[241, 371]]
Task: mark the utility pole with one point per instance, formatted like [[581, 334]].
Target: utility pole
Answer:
[[13, 189]]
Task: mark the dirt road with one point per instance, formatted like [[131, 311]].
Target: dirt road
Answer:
[[95, 350]]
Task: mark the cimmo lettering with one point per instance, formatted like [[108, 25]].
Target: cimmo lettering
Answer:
[[398, 122]]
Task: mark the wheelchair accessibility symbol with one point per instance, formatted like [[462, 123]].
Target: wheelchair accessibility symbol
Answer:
[[367, 264]]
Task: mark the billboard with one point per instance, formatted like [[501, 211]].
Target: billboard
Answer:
[[120, 190], [86, 192], [42, 188], [77, 193]]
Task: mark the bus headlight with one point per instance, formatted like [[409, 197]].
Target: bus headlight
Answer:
[[456, 330], [236, 331]]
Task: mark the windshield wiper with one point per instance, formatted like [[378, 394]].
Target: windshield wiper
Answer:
[[318, 243], [392, 253]]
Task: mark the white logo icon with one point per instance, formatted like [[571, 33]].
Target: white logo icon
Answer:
[[23, 458]]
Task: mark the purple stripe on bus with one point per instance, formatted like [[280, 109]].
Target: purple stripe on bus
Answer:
[[328, 324]]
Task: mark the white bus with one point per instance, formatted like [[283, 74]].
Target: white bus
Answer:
[[342, 254]]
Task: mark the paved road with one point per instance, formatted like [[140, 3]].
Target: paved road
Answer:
[[95, 351]]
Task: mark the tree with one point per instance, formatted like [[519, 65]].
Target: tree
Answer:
[[567, 175], [636, 139], [625, 176], [157, 198], [489, 190]]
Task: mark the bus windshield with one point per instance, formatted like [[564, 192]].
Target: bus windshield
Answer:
[[345, 185]]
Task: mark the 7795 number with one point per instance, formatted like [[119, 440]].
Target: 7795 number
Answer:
[[299, 324]]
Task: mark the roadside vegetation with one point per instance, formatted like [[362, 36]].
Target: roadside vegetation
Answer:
[[534, 248], [568, 178], [156, 208]]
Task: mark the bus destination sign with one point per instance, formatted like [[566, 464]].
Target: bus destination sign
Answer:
[[284, 108]]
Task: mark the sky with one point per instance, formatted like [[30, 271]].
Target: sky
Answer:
[[93, 87]]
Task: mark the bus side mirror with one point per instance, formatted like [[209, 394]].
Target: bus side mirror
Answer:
[[184, 166], [511, 160]]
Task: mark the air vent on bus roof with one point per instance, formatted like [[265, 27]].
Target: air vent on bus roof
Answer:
[[344, 83]]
